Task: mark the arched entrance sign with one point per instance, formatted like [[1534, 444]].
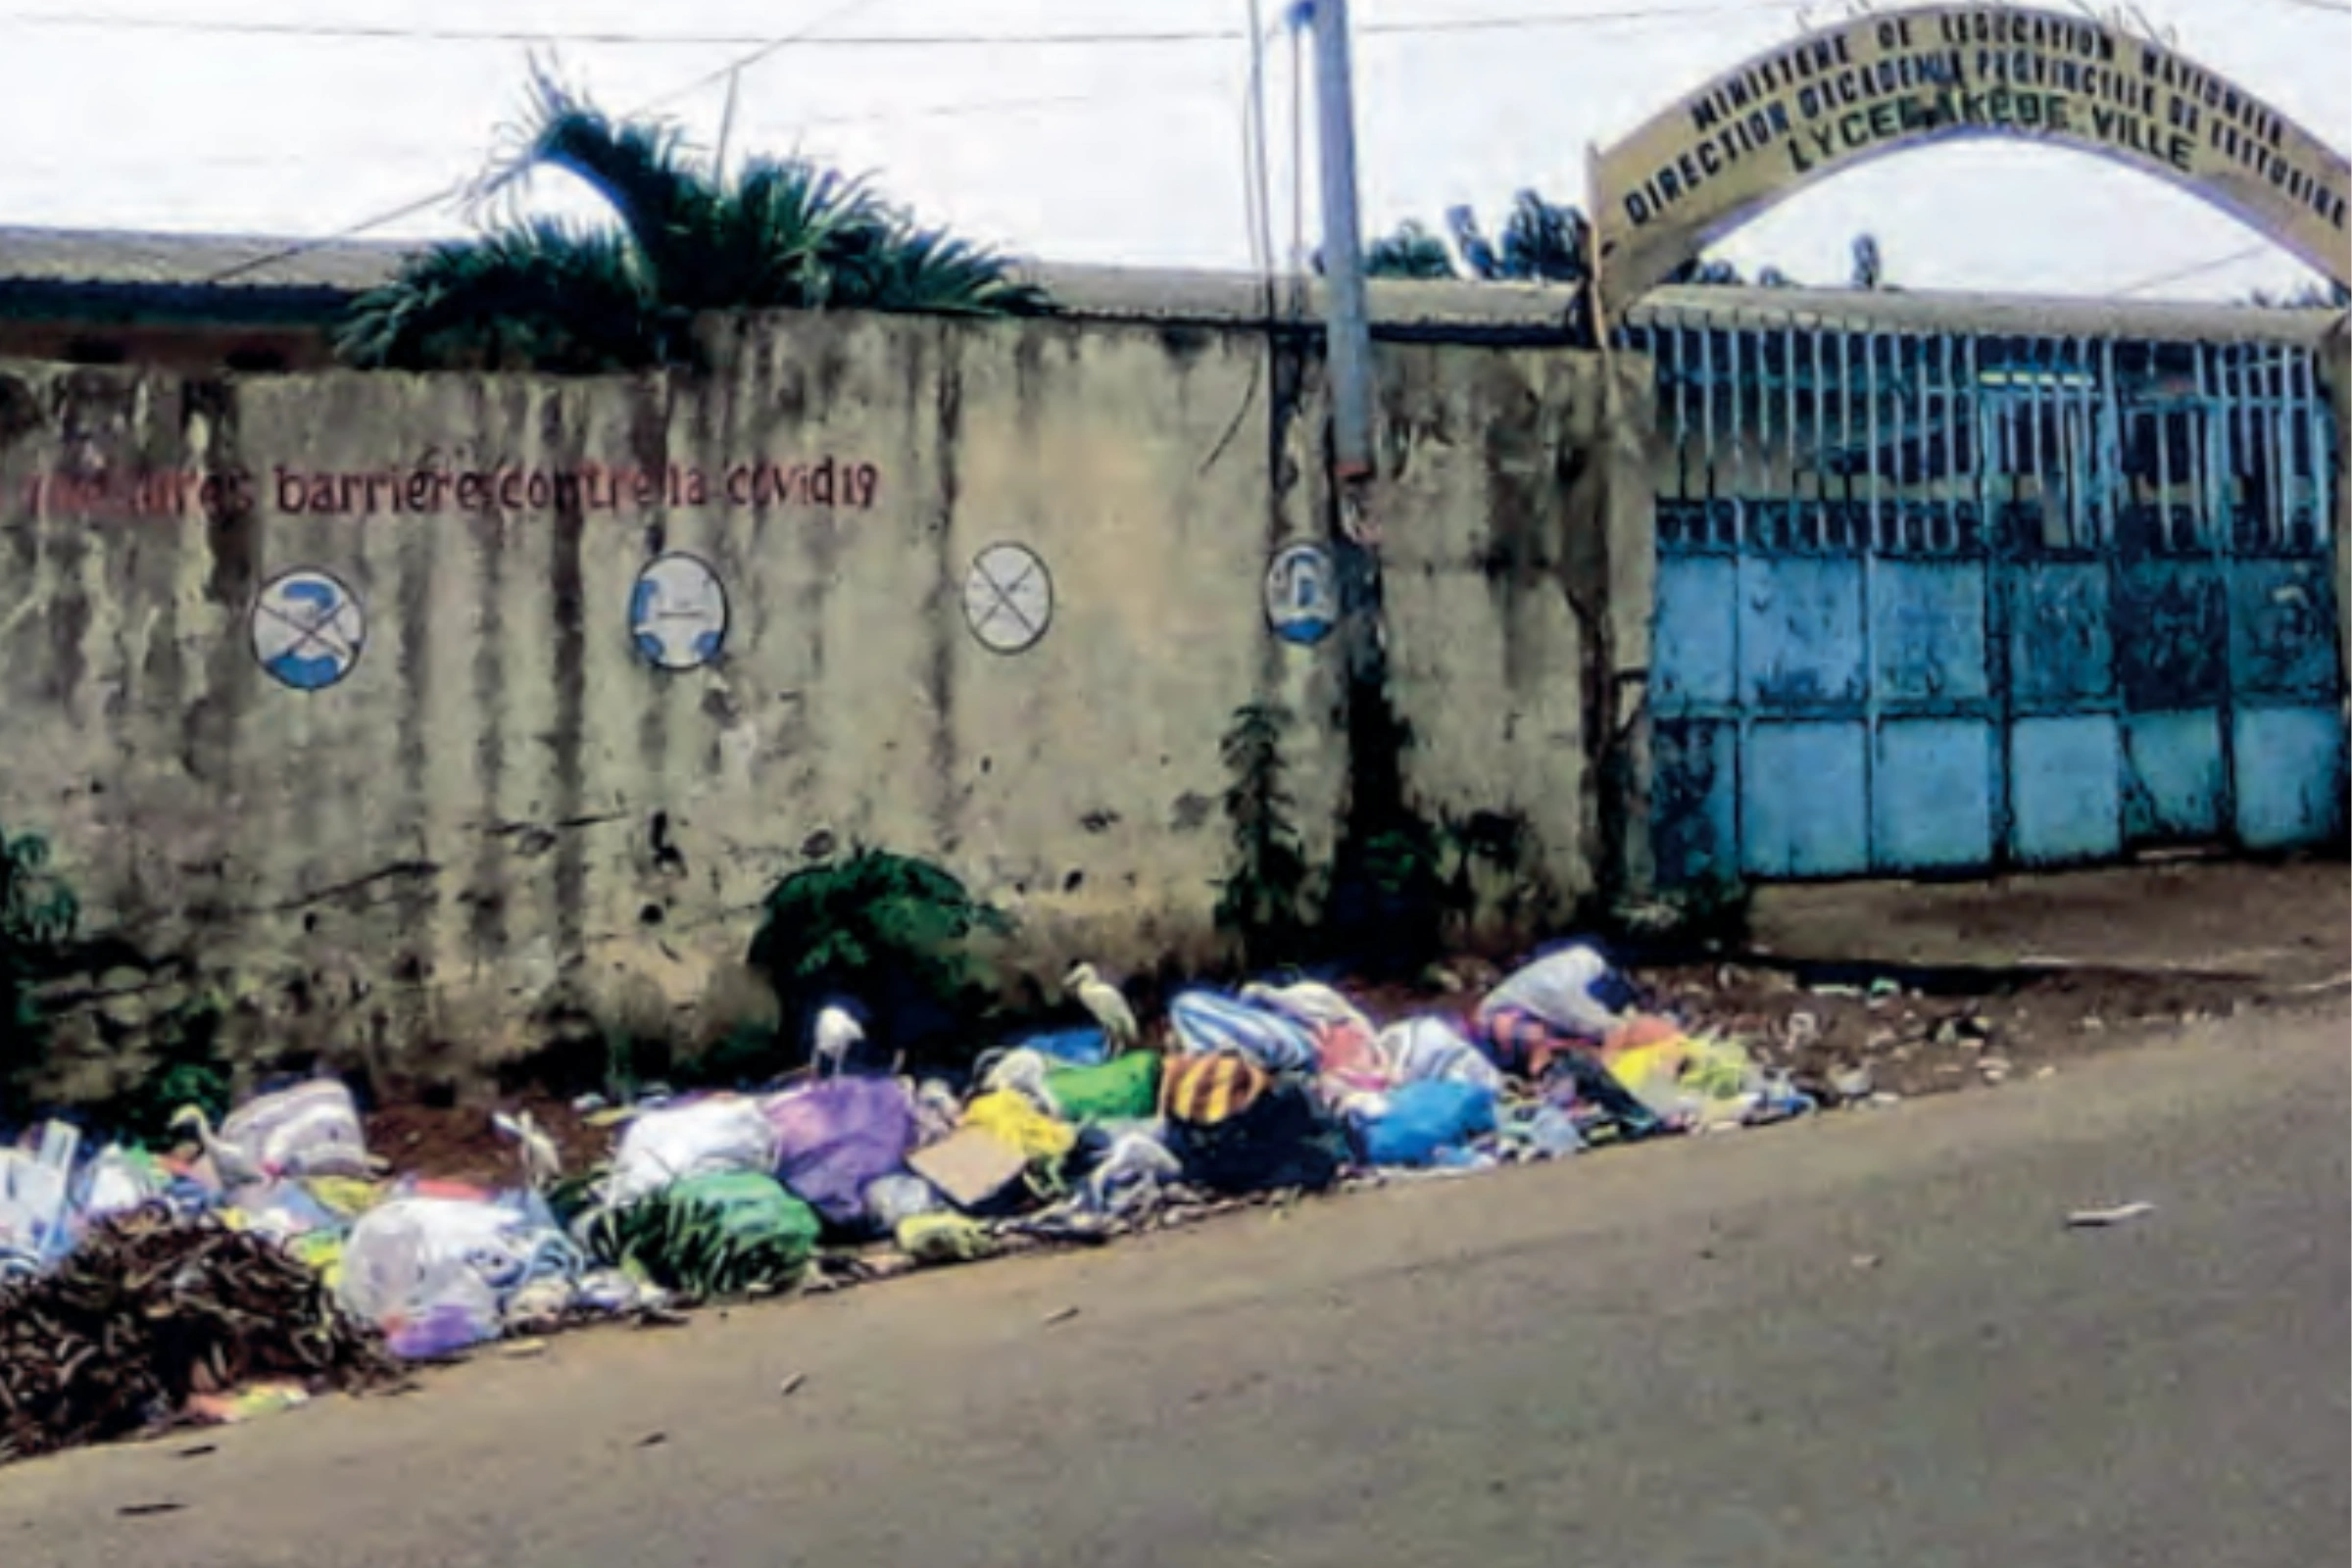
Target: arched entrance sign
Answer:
[[1842, 96]]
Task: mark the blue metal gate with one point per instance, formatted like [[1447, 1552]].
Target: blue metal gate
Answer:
[[1948, 603]]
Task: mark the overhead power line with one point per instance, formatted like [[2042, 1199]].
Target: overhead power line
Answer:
[[394, 33], [825, 19], [2185, 274]]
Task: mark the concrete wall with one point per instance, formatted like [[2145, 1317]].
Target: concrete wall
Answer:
[[501, 797]]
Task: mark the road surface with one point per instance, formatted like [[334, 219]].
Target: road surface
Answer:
[[1869, 1340]]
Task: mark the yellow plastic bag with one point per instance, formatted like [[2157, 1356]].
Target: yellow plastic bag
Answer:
[[1698, 1079], [943, 1239], [1014, 1118]]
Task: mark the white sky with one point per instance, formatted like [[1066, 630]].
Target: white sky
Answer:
[[1125, 153]]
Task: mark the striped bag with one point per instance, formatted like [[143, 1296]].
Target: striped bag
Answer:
[[1206, 1023], [1203, 1089]]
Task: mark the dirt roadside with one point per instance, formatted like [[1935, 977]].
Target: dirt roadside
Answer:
[[1930, 987]]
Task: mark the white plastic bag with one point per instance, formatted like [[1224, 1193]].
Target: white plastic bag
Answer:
[[117, 1182], [436, 1273], [1427, 1050], [724, 1134], [1565, 990], [33, 1232], [310, 1130]]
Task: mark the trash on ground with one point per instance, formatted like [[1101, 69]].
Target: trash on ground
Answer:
[[275, 1261], [2119, 1214]]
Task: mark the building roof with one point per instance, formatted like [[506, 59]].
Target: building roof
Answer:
[[230, 269], [1902, 311]]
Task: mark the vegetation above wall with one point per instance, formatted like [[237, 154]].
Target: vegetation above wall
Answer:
[[1542, 241], [541, 294]]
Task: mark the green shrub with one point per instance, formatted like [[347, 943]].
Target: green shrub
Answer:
[[39, 916], [890, 935], [1263, 904]]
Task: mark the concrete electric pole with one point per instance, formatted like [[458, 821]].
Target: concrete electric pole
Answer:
[[1349, 339]]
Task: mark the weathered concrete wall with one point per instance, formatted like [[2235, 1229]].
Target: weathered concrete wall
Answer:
[[1516, 524], [502, 795], [2336, 368]]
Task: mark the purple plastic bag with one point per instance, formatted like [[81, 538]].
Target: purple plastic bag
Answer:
[[836, 1136]]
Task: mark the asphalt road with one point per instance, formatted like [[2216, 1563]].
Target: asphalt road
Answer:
[[1864, 1341]]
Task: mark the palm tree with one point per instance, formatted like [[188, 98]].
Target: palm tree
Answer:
[[1412, 251], [781, 234]]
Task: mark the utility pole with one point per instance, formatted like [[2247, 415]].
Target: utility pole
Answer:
[[1350, 332]]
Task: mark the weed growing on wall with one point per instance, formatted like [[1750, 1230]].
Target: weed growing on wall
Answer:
[[889, 935], [39, 915], [1263, 905]]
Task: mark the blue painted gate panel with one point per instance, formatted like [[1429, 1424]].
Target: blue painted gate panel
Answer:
[[1927, 626], [2291, 776], [2174, 775], [1800, 632], [1694, 618], [1932, 794], [1804, 801], [2065, 778], [1948, 604]]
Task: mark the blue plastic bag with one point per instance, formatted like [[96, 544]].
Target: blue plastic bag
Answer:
[[1086, 1047], [1421, 1120]]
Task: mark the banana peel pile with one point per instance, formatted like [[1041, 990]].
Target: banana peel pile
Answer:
[[152, 1312]]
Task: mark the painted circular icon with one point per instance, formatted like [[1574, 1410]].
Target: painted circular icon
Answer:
[[1008, 599], [1302, 594], [678, 612], [308, 631]]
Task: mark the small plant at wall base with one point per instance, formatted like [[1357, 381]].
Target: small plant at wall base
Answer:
[[1263, 904], [887, 933], [39, 915]]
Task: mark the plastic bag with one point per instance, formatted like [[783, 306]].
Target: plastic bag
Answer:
[[1421, 1120], [1016, 1121], [1348, 1060], [435, 1273], [705, 1138], [1283, 1139], [1310, 1005], [1116, 1090], [1130, 1173], [1430, 1050], [1086, 1046], [33, 1215], [1207, 1023], [1690, 1081], [117, 1182], [310, 1130], [1205, 1090], [1574, 990], [892, 1199], [836, 1137]]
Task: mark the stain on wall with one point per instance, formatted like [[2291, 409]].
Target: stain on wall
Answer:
[[435, 696]]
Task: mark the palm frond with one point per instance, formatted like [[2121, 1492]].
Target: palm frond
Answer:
[[645, 170], [544, 295]]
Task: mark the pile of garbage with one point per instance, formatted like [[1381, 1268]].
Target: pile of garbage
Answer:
[[282, 1240]]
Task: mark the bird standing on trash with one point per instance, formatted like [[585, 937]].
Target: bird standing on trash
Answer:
[[542, 1161], [231, 1165], [1108, 1008], [837, 1034]]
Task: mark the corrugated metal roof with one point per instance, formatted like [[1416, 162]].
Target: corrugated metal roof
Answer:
[[87, 258], [120, 259], [1987, 315]]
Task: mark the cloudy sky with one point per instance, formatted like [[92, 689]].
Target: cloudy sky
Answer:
[[311, 117]]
